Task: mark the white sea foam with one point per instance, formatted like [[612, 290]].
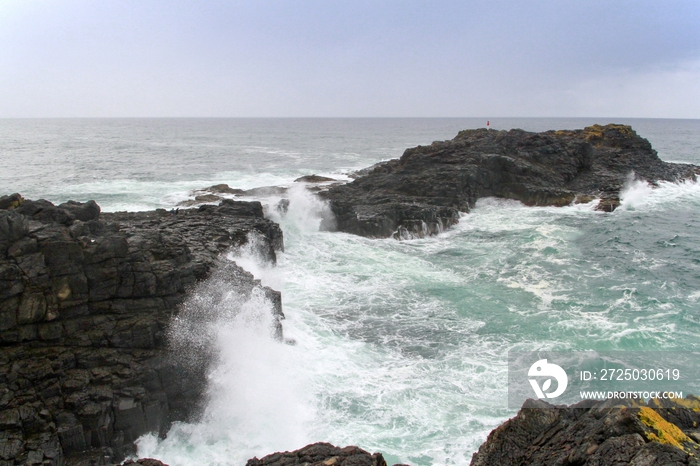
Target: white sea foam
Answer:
[[250, 257], [639, 194], [635, 193], [258, 395], [305, 212], [350, 302]]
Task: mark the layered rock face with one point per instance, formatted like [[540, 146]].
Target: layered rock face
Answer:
[[85, 303], [423, 192], [610, 433]]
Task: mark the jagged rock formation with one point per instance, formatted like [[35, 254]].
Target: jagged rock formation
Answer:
[[609, 433], [85, 301], [321, 454], [219, 192], [314, 179], [423, 192], [144, 462]]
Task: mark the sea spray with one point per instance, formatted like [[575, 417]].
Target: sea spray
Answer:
[[255, 401], [638, 195], [252, 257], [634, 192], [305, 212]]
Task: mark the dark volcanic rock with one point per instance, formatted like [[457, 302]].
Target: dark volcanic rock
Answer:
[[144, 462], [423, 192], [321, 454], [610, 433], [266, 191], [608, 204], [223, 189], [11, 201], [313, 179], [208, 198], [83, 211], [210, 195], [85, 303]]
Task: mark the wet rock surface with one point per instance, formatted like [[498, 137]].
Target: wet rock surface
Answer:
[[215, 194], [321, 454], [85, 303], [144, 462], [610, 433], [314, 179], [424, 191]]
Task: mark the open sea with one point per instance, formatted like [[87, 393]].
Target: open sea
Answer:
[[401, 346]]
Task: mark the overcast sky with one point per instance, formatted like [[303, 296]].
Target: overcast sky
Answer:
[[298, 58]]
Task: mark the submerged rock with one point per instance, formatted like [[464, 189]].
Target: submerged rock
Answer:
[[600, 433], [608, 204], [212, 194], [313, 179], [424, 191], [282, 206], [265, 191], [223, 189], [86, 299], [211, 198]]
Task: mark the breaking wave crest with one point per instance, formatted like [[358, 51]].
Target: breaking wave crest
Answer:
[[640, 195], [255, 400]]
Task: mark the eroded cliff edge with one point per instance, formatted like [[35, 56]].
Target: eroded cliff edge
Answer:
[[85, 301], [597, 433], [425, 190]]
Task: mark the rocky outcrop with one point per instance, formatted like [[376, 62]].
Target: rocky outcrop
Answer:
[[424, 191], [219, 192], [144, 462], [321, 454], [85, 303], [609, 433], [314, 179]]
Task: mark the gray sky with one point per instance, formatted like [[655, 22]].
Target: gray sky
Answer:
[[490, 58]]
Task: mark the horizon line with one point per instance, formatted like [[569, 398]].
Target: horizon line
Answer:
[[331, 117]]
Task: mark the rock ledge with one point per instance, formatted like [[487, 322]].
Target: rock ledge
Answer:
[[597, 433], [424, 191], [85, 303]]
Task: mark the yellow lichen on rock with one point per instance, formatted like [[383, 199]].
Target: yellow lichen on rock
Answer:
[[598, 129], [597, 132], [665, 431], [692, 403], [687, 403], [563, 132], [11, 202]]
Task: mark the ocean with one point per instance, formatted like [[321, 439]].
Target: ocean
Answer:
[[401, 347]]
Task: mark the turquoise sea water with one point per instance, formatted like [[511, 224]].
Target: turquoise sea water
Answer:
[[401, 346]]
